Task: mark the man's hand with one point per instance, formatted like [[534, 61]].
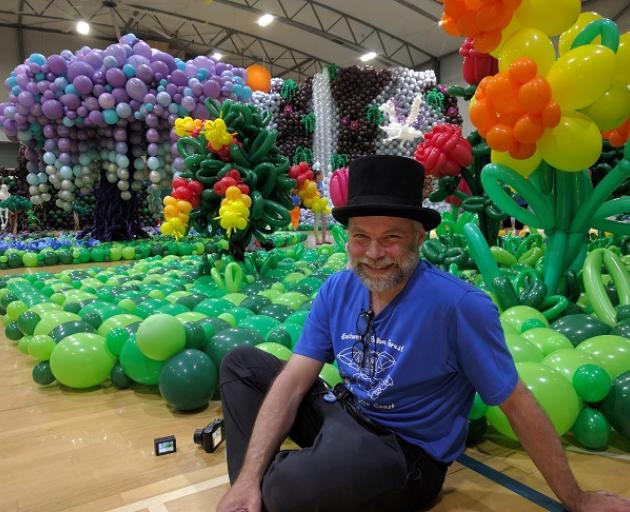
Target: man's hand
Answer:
[[600, 501], [241, 498]]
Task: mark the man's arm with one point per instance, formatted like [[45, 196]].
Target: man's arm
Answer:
[[538, 437], [275, 418]]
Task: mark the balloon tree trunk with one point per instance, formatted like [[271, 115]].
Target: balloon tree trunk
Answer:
[[115, 218]]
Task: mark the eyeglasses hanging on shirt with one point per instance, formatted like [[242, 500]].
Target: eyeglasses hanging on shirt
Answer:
[[361, 348]]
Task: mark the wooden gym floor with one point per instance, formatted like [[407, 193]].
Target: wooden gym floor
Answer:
[[92, 451]]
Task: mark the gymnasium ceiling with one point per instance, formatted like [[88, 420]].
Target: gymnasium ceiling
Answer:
[[305, 35]]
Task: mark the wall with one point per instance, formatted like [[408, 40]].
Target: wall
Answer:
[[451, 74]]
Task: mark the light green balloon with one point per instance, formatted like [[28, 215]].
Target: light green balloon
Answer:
[[15, 309], [291, 299], [228, 317], [41, 346], [330, 375], [235, 298], [44, 307], [280, 351], [190, 316], [522, 350], [547, 340], [175, 296], [567, 360], [117, 321], [611, 352], [51, 319], [161, 336], [517, 315], [554, 393], [81, 360], [271, 294], [23, 344]]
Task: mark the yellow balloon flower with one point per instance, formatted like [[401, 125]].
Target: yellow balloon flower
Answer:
[[217, 135]]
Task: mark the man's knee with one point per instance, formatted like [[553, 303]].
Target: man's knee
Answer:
[[283, 489], [237, 361]]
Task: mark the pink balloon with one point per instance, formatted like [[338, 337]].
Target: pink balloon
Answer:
[[339, 187]]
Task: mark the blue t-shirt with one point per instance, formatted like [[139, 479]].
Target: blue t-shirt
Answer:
[[436, 342]]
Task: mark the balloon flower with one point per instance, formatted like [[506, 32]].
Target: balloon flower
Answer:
[[444, 151], [176, 215], [619, 136], [234, 211], [188, 126], [477, 65], [339, 187], [217, 134]]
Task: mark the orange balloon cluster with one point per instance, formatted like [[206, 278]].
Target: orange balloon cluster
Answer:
[[482, 20], [513, 108], [619, 136]]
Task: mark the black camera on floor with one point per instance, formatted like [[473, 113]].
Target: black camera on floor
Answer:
[[211, 436]]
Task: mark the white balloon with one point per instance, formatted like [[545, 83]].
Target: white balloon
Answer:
[[123, 185], [46, 196], [126, 195], [155, 177], [123, 174], [111, 177]]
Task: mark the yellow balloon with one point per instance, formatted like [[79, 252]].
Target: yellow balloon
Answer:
[[572, 146], [506, 34], [169, 200], [581, 76], [522, 167], [184, 206], [528, 42], [176, 223], [623, 60], [166, 229], [612, 109], [567, 38], [552, 17]]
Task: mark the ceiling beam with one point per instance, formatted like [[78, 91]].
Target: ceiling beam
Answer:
[[419, 10]]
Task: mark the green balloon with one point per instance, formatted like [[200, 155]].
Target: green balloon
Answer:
[[580, 327], [547, 340], [478, 408], [212, 325], [241, 314], [591, 382], [567, 361], [214, 307], [554, 393], [24, 343], [188, 380], [522, 350], [173, 309], [190, 316], [281, 336], [15, 309], [13, 332], [476, 430], [229, 318], [591, 429], [622, 328], [160, 337], [116, 339], [191, 300], [292, 300], [117, 321], [517, 315], [45, 307], [51, 319], [149, 307], [115, 253], [612, 352], [119, 377], [41, 346], [67, 328], [195, 335], [81, 361], [295, 331], [262, 324], [278, 311], [225, 341], [128, 253], [42, 374], [137, 366], [235, 298], [280, 351], [616, 406], [299, 318], [330, 375]]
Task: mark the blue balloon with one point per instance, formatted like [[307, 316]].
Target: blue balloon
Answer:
[[123, 110], [129, 70], [110, 116], [71, 89], [37, 58]]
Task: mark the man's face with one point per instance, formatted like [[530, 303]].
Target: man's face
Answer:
[[383, 251]]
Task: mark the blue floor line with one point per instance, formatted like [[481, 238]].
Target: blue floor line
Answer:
[[523, 490]]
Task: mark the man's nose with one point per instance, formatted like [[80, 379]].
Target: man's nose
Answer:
[[374, 250]]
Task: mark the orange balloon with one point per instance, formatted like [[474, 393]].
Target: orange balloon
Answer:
[[487, 41], [454, 8], [523, 70], [170, 211], [467, 26], [490, 16], [535, 94], [473, 5], [528, 129], [449, 26], [522, 151], [551, 115], [500, 137], [482, 115], [258, 78]]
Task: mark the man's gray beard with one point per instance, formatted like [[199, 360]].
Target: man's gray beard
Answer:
[[403, 268]]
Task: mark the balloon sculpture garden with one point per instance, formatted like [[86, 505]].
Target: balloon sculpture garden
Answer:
[[192, 166]]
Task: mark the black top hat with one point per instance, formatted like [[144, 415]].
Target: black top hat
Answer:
[[386, 185]]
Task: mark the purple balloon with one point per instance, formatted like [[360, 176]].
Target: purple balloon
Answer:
[[76, 68], [151, 120], [149, 98], [95, 117], [165, 58], [171, 89], [52, 109], [98, 78], [57, 64], [145, 73], [115, 77], [120, 134], [189, 103], [143, 49], [178, 77], [64, 144], [94, 58], [212, 89], [82, 111], [43, 86], [160, 67], [219, 68], [98, 90], [200, 112], [26, 99], [82, 84], [49, 132], [136, 88], [71, 101], [120, 95], [152, 135], [118, 52], [91, 103], [106, 100]]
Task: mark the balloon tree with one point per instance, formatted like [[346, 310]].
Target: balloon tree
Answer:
[[235, 181], [99, 121], [542, 116]]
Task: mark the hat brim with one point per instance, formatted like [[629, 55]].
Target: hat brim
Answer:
[[429, 218]]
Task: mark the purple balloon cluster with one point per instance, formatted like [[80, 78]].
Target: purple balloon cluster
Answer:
[[111, 110]]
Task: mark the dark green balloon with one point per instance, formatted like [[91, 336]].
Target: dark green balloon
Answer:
[[173, 309], [476, 430], [281, 336], [591, 429], [67, 328], [149, 307], [622, 328], [119, 378], [72, 307], [580, 327], [217, 325], [214, 307], [277, 311], [306, 306], [255, 302], [188, 380], [42, 373], [591, 382], [195, 335], [616, 406], [225, 341], [13, 332], [190, 301], [27, 322]]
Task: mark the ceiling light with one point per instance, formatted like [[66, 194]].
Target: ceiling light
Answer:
[[265, 20], [217, 55], [83, 28], [367, 56]]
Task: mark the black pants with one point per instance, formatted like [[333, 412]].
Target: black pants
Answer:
[[345, 464]]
